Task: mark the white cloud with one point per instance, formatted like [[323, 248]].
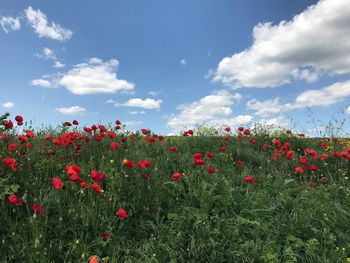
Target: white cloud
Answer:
[[183, 61], [347, 110], [136, 112], [58, 64], [313, 43], [74, 110], [154, 93], [323, 97], [209, 74], [9, 23], [47, 53], [275, 122], [110, 101], [8, 105], [38, 21], [209, 108], [94, 77], [41, 83], [140, 103]]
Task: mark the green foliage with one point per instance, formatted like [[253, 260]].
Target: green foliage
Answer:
[[200, 218]]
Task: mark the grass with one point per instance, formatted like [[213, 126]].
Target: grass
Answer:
[[219, 217]]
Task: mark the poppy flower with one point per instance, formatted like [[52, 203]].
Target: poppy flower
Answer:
[[176, 176], [250, 180], [94, 259], [67, 123], [303, 160], [173, 148], [117, 127], [246, 132], [252, 140], [37, 209], [143, 164], [75, 122], [11, 163], [211, 169], [227, 129], [3, 136], [122, 213], [239, 162], [223, 149], [84, 185], [240, 136], [19, 118], [97, 188], [190, 132], [299, 170], [14, 200], [210, 155], [12, 146], [144, 131], [57, 183], [289, 155], [314, 168], [128, 163], [240, 129], [30, 134], [117, 122], [97, 177], [104, 235], [8, 125]]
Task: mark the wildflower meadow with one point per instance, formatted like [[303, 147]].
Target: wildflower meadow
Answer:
[[104, 194]]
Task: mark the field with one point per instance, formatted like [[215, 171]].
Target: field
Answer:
[[244, 196]]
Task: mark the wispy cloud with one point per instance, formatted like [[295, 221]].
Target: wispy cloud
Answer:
[[74, 110]]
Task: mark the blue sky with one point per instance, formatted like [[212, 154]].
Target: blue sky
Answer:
[[167, 65]]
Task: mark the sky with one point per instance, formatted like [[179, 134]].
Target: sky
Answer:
[[171, 65]]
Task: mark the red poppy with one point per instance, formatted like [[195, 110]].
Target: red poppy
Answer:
[[67, 123], [12, 146], [128, 163], [223, 149], [97, 177], [84, 185], [211, 169], [122, 213], [289, 155], [75, 122], [143, 164], [104, 235], [239, 162], [299, 170], [228, 129], [246, 132], [114, 146], [94, 259], [97, 188], [240, 129], [176, 176], [3, 136], [250, 180], [11, 163], [173, 148], [117, 122], [30, 134], [210, 155], [252, 140], [145, 131], [57, 183], [8, 124], [19, 118], [37, 209], [314, 168], [303, 160], [14, 200]]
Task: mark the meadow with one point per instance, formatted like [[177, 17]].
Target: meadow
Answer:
[[103, 194]]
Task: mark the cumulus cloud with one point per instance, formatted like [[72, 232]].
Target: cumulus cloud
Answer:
[[140, 103], [9, 23], [41, 83], [94, 76], [8, 105], [58, 64], [47, 53], [313, 43], [209, 108], [39, 22], [74, 110], [327, 96]]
